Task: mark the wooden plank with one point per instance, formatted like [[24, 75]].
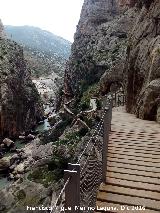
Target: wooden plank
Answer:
[[155, 150], [129, 200], [152, 152], [134, 167], [123, 156], [135, 178], [116, 144], [130, 192], [134, 162], [133, 172], [119, 208], [134, 145], [136, 154], [138, 143], [132, 184], [135, 141]]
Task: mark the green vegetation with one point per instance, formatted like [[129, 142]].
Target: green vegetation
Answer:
[[21, 195], [70, 139], [42, 175], [59, 161], [53, 171], [31, 201], [92, 91], [53, 135], [57, 165], [24, 200], [158, 50]]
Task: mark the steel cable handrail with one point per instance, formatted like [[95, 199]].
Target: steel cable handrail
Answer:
[[92, 137], [93, 141]]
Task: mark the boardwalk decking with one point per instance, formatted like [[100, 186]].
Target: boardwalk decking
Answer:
[[133, 168]]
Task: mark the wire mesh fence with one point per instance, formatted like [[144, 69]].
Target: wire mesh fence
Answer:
[[91, 170]]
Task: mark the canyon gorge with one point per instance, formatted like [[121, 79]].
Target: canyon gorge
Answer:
[[116, 48]]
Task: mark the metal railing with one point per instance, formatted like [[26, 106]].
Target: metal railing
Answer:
[[83, 179], [119, 99]]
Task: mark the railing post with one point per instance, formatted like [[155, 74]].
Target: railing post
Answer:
[[107, 127], [76, 167], [118, 102], [104, 101], [115, 99], [72, 190], [110, 108]]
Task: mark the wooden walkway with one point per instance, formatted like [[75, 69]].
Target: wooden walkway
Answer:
[[133, 168]]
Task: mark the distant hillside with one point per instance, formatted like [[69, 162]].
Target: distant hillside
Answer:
[[45, 52]]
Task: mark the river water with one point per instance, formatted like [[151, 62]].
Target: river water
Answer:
[[19, 145]]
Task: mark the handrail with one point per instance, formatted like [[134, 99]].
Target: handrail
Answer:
[[84, 181], [60, 195]]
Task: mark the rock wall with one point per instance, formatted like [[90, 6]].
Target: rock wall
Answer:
[[20, 105], [2, 32], [143, 63], [99, 44], [118, 43]]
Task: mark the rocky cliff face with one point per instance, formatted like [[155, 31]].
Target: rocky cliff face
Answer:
[[118, 43], [99, 45], [20, 105], [2, 33], [143, 65]]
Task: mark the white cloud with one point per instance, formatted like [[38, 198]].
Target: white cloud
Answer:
[[57, 16]]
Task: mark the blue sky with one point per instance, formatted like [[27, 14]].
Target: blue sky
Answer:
[[57, 16]]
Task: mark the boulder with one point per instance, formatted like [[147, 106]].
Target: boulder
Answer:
[[14, 158], [12, 167], [2, 146], [11, 176], [8, 142], [52, 120], [30, 137], [22, 137], [19, 169], [41, 122], [17, 176], [4, 163], [6, 201]]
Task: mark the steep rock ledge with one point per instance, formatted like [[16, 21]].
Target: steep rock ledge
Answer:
[[143, 64], [20, 105], [99, 44]]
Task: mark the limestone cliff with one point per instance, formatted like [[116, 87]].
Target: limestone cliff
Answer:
[[99, 44], [143, 63], [2, 32], [118, 43], [20, 105]]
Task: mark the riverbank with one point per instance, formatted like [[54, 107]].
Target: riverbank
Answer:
[[23, 146]]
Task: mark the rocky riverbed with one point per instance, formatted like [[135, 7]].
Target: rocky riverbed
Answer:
[[15, 151], [12, 157], [16, 167], [24, 175]]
